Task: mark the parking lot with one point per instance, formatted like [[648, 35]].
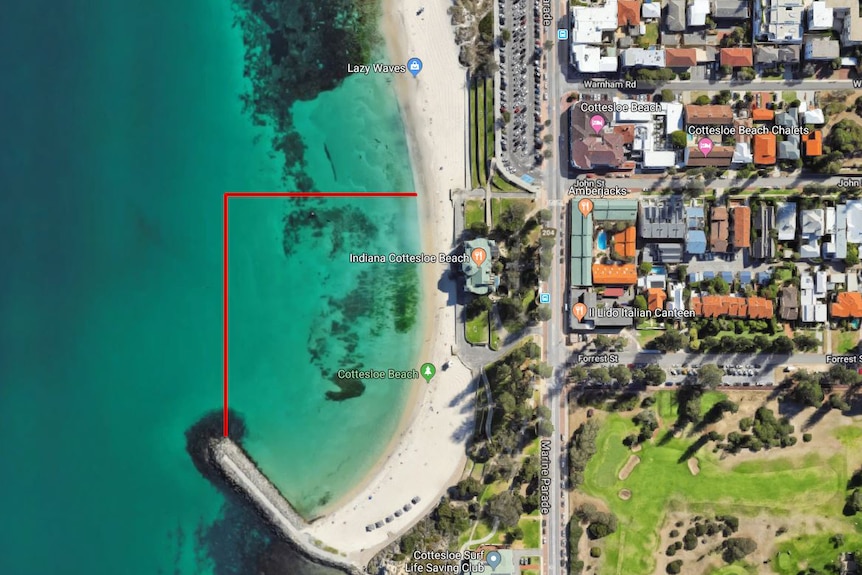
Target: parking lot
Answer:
[[522, 86]]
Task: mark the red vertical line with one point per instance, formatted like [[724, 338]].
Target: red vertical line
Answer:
[[224, 312]]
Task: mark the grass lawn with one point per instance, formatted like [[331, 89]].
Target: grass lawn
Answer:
[[646, 335], [531, 532], [784, 485], [651, 35], [812, 551], [495, 339], [492, 490], [498, 183], [788, 96], [474, 211], [735, 569], [848, 434], [845, 341], [481, 129], [477, 328]]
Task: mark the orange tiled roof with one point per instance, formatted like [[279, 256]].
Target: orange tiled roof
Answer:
[[847, 304], [737, 57], [628, 12], [625, 274], [741, 227], [717, 305], [762, 114], [680, 57], [709, 114], [759, 308], [814, 143], [764, 149], [656, 298], [624, 242]]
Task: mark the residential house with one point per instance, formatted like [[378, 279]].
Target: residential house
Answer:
[[786, 221], [680, 58], [820, 16], [695, 237], [813, 143], [650, 10], [811, 229], [854, 221], [789, 303], [771, 56], [737, 57], [643, 58], [847, 20], [847, 305], [718, 229], [789, 149], [731, 10], [698, 10], [709, 114], [662, 218], [821, 49], [763, 247], [741, 219], [812, 304], [733, 306], [783, 21], [614, 274], [674, 18], [764, 149], [628, 13]]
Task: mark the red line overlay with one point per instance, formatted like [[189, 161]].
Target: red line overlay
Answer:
[[225, 203]]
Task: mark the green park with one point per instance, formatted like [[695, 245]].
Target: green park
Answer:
[[785, 485]]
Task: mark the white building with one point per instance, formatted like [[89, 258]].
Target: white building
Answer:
[[697, 12], [784, 21], [589, 23], [854, 222], [589, 59], [648, 58], [820, 16], [651, 10]]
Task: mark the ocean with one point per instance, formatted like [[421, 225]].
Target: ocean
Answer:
[[122, 125]]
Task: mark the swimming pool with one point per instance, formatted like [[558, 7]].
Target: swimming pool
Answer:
[[602, 240], [658, 270]]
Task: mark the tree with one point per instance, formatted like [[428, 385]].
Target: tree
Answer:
[[671, 340], [600, 375], [852, 258], [709, 376], [808, 390], [505, 35], [654, 375], [467, 489], [782, 344], [507, 402], [667, 95], [545, 428], [544, 312], [854, 502], [621, 373], [675, 566], [736, 548], [640, 302], [678, 139], [478, 305], [645, 268], [702, 100], [805, 342], [506, 507]]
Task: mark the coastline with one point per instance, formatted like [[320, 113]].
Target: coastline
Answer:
[[427, 452]]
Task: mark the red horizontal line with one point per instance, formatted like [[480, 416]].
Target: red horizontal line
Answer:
[[320, 194]]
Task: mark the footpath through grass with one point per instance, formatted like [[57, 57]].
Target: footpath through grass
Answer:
[[662, 482]]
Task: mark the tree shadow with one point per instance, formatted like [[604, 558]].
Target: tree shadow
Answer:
[[816, 417]]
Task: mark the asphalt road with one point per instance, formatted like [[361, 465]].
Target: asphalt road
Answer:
[[555, 328]]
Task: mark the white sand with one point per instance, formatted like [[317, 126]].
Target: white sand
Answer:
[[430, 454]]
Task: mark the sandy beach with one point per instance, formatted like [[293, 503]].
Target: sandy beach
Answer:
[[429, 453]]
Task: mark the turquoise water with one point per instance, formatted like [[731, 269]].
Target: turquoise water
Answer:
[[121, 129], [602, 240]]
